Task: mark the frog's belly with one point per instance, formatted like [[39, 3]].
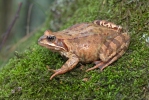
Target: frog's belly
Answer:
[[86, 58], [87, 54]]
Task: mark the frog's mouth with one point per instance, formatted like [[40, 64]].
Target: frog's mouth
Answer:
[[51, 46]]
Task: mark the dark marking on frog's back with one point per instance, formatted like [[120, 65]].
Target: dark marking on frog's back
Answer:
[[70, 34]]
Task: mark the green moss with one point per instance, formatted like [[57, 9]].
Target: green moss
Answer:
[[26, 75]]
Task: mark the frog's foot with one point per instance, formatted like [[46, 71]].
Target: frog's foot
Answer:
[[103, 65], [49, 69], [69, 65], [58, 72], [99, 64]]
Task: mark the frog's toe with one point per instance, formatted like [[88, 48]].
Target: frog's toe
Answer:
[[56, 72], [49, 69], [59, 72], [53, 76], [92, 68], [97, 62], [100, 65], [52, 70]]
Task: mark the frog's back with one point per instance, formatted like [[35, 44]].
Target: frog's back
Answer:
[[84, 30]]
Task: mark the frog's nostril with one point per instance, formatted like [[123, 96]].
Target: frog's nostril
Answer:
[[39, 40]]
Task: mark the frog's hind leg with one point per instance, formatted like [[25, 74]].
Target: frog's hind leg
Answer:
[[102, 65], [105, 64], [108, 24], [98, 63], [112, 50]]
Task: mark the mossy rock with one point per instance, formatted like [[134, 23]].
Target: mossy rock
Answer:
[[26, 76]]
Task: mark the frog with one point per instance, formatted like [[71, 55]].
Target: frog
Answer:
[[100, 42]]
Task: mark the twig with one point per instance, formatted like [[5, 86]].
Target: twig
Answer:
[[28, 19], [11, 25]]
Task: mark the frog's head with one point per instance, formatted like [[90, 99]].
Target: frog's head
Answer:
[[50, 41]]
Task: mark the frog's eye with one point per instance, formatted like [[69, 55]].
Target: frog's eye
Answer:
[[51, 38]]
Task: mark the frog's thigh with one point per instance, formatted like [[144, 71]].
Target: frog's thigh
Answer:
[[102, 64], [113, 47], [105, 64], [112, 50]]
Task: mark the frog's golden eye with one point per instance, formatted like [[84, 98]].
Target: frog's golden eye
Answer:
[[51, 38]]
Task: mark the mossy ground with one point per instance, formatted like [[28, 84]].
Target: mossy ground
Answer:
[[26, 75]]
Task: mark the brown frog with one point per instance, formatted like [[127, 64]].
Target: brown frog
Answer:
[[101, 42]]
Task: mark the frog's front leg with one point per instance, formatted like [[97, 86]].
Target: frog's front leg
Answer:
[[69, 65]]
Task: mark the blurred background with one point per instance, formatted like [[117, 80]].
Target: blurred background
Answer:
[[31, 15], [20, 18]]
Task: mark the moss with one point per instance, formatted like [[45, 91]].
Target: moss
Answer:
[[26, 75]]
